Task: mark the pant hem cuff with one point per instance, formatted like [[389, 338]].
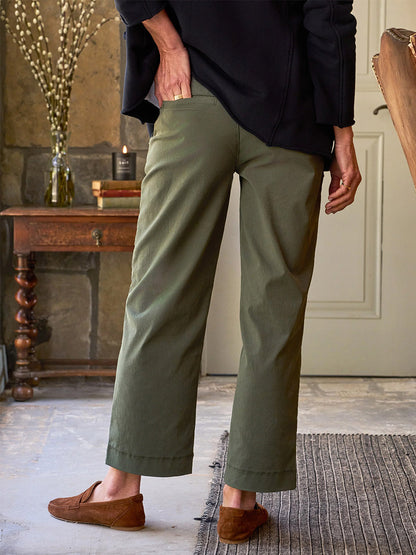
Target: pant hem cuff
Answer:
[[248, 480], [148, 466]]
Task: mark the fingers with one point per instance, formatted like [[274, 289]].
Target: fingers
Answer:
[[343, 196], [182, 90], [334, 185], [159, 97], [174, 92], [178, 90], [171, 92], [340, 200], [345, 178], [186, 89]]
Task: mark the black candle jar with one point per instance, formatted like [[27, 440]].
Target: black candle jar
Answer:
[[124, 165]]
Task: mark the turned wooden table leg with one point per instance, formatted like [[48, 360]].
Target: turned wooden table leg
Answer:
[[26, 331], [34, 364]]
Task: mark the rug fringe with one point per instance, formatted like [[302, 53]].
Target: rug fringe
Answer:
[[214, 493]]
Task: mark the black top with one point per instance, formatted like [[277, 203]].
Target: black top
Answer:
[[284, 70]]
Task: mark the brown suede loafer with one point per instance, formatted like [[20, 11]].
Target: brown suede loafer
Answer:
[[237, 525], [121, 514]]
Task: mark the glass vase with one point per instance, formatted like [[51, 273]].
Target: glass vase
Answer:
[[59, 179]]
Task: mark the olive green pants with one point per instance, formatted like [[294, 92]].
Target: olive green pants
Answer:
[[193, 154]]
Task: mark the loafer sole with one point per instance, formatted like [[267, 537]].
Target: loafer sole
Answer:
[[130, 529], [234, 542]]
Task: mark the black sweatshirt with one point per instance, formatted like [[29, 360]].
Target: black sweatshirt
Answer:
[[284, 70]]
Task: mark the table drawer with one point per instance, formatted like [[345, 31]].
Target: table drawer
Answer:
[[99, 235]]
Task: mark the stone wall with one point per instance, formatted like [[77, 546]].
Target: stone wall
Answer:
[[80, 295]]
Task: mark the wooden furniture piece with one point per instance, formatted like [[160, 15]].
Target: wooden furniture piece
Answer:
[[83, 228], [395, 69]]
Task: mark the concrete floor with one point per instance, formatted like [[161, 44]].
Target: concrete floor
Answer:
[[54, 446]]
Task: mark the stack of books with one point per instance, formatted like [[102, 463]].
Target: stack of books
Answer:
[[117, 194]]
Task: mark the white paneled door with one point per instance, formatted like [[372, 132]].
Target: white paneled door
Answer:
[[362, 304]]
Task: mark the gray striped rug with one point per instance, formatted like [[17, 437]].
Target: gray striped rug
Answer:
[[356, 494]]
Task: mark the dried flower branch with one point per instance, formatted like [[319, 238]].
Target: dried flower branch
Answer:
[[54, 73]]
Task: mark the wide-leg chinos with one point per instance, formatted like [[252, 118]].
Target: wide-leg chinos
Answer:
[[192, 156]]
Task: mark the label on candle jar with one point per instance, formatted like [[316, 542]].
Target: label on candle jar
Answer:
[[124, 165]]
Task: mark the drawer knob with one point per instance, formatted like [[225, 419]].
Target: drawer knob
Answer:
[[97, 235]]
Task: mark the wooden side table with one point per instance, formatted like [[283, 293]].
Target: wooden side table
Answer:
[[79, 229]]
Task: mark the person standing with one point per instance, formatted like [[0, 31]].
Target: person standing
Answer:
[[265, 89]]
